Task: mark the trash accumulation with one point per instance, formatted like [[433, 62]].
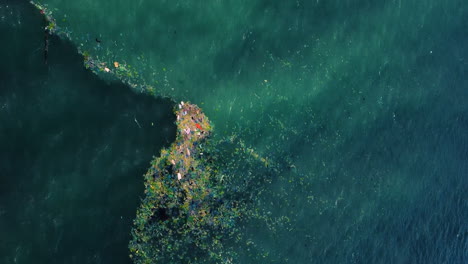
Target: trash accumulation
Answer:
[[120, 70]]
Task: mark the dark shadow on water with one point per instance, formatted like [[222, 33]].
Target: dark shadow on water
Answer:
[[72, 151]]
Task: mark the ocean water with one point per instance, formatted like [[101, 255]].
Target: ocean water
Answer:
[[72, 155], [363, 103]]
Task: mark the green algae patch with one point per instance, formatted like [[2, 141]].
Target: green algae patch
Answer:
[[183, 217]]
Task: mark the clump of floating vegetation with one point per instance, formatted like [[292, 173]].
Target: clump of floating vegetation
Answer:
[[183, 217], [193, 207]]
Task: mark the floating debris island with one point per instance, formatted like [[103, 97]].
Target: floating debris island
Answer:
[[195, 208], [183, 217]]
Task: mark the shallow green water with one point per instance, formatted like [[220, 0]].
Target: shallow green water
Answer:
[[364, 100]]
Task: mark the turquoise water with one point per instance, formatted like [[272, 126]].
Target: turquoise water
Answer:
[[362, 103]]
